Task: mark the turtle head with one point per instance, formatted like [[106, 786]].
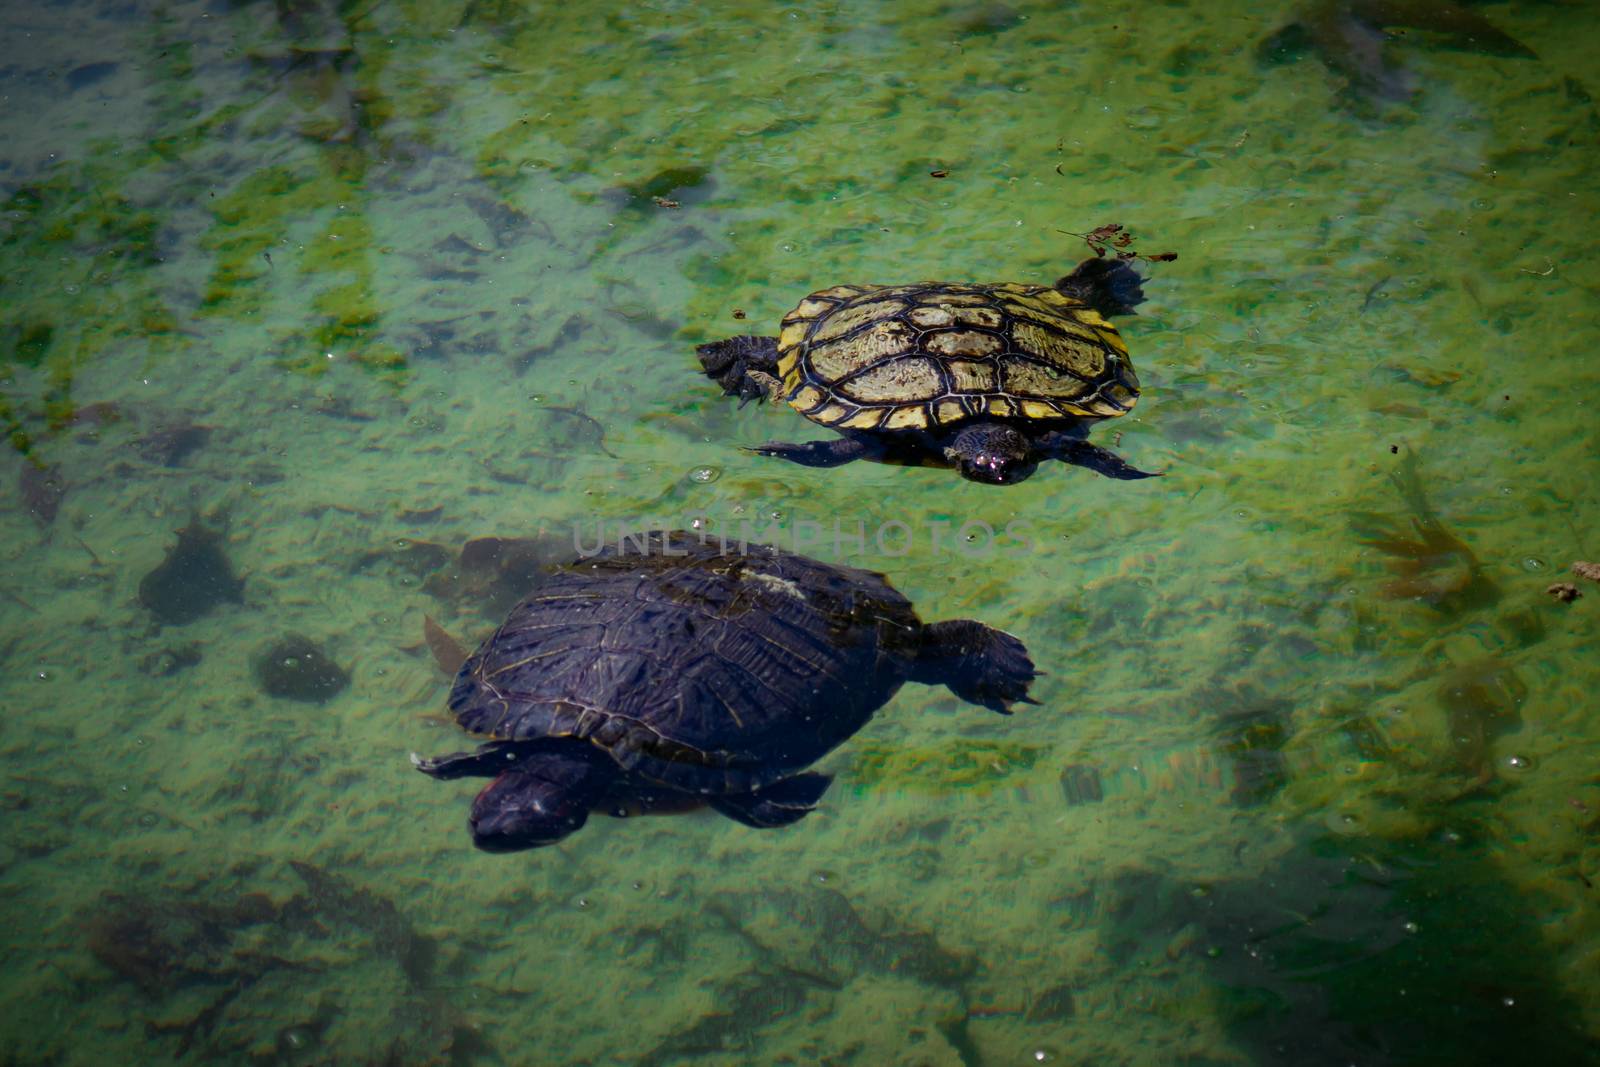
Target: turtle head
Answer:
[[991, 452], [540, 800]]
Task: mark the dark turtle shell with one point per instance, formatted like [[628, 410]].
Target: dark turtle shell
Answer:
[[705, 671], [931, 355]]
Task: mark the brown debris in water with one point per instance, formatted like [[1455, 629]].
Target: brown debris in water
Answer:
[[1584, 569], [1431, 564], [1116, 239], [1565, 592]]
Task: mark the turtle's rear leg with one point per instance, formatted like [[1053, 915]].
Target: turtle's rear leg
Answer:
[[745, 367], [979, 663]]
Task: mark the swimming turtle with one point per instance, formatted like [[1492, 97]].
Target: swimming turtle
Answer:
[[988, 379], [666, 673]]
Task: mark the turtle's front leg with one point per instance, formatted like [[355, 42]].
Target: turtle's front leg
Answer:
[[1080, 453], [485, 762], [834, 453]]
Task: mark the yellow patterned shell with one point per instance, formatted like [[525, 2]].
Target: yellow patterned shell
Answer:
[[930, 355]]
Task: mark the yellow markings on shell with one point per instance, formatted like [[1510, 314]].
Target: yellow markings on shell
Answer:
[[1038, 409], [787, 361], [831, 415], [841, 292], [848, 318], [948, 411], [963, 343], [810, 308], [896, 379], [898, 291], [954, 297], [1112, 338], [1083, 357], [979, 316], [1127, 378], [830, 362], [1002, 406], [972, 377], [865, 419], [1033, 380], [1119, 394], [931, 316], [793, 335], [807, 398], [907, 418]]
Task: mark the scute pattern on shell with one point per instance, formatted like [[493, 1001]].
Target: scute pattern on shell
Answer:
[[935, 354], [705, 671]]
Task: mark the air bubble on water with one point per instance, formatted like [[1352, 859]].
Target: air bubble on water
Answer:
[[1341, 822], [704, 474], [1534, 563], [1519, 763], [1411, 927]]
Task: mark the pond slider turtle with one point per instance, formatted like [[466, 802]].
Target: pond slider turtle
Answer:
[[988, 379], [666, 673]]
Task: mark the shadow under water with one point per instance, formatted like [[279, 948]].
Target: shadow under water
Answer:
[[1354, 950], [1352, 38]]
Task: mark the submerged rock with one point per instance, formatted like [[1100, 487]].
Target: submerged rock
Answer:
[[293, 667], [195, 577]]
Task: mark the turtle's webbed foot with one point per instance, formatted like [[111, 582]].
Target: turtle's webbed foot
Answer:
[[1100, 460], [484, 762], [743, 366], [779, 804], [980, 664], [815, 453]]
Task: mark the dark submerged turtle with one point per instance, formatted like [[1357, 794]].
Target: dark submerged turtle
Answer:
[[664, 674], [989, 379]]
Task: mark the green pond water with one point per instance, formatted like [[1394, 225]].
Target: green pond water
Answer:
[[339, 289]]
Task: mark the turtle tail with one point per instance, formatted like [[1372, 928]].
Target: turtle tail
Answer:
[[1110, 286]]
